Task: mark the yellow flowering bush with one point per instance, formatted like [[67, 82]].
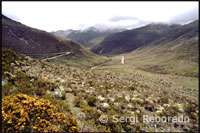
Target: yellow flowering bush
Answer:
[[24, 113]]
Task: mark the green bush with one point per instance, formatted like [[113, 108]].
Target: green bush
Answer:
[[91, 100], [78, 102]]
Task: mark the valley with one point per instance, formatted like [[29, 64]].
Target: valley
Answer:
[[84, 90], [109, 89]]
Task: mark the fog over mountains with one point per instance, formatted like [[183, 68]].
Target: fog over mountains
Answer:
[[101, 15]]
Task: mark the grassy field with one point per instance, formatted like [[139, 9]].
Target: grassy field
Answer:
[[180, 73]]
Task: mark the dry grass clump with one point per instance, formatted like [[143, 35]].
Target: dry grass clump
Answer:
[[29, 114]]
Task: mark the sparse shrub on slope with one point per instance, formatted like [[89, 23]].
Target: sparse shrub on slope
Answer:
[[24, 113], [23, 83]]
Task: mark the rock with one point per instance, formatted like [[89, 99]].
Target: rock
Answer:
[[32, 80], [91, 88], [4, 81], [120, 96], [136, 100], [62, 81], [105, 105], [127, 98], [109, 90], [74, 82], [149, 101], [87, 91], [61, 88], [166, 105], [159, 112], [12, 64], [180, 107], [160, 108], [100, 98], [140, 100], [99, 111], [131, 112], [111, 99], [68, 90], [58, 93], [116, 104], [137, 111], [129, 106]]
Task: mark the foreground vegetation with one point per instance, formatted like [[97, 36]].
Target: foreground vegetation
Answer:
[[86, 94]]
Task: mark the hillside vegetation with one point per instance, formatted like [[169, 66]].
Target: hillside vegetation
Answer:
[[40, 44], [176, 53], [129, 40], [89, 93]]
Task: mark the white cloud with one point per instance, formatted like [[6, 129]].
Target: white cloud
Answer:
[[51, 16]]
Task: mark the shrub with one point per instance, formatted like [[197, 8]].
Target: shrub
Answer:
[[78, 102], [75, 91], [59, 103], [91, 100], [29, 114], [163, 100], [31, 85]]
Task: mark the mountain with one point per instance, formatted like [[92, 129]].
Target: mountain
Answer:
[[129, 40], [62, 33], [175, 53], [83, 37], [95, 42], [41, 44]]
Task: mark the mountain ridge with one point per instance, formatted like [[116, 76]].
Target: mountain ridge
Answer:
[[129, 40], [40, 44], [84, 36]]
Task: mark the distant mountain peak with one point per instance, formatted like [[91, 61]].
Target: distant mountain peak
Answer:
[[91, 29]]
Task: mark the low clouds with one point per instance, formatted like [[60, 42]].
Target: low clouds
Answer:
[[121, 18], [52, 16], [186, 17]]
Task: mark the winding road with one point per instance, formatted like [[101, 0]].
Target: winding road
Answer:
[[66, 53]]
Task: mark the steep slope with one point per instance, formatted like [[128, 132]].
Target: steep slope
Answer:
[[83, 37], [40, 44], [175, 53], [129, 40], [95, 42]]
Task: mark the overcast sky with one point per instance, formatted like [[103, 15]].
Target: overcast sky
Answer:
[[52, 16]]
